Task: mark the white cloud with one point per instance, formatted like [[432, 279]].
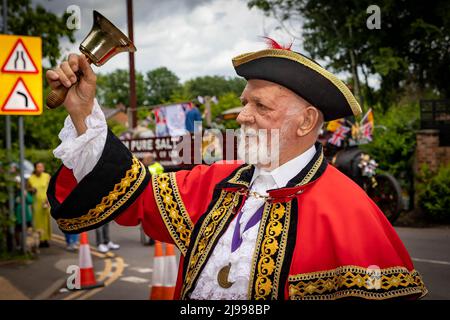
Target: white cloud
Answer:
[[191, 38]]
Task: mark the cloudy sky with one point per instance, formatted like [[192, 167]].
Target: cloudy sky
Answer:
[[190, 37]]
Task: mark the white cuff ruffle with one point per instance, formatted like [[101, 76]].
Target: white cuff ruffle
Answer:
[[81, 153]]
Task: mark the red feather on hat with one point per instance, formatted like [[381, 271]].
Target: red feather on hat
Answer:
[[275, 45]]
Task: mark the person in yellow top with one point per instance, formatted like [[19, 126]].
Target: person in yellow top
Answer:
[[153, 166], [38, 183]]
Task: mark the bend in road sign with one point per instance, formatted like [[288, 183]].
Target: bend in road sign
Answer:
[[20, 99], [19, 60], [20, 75]]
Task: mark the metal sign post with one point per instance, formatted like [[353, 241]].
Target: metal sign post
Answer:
[[21, 94], [8, 142], [22, 183]]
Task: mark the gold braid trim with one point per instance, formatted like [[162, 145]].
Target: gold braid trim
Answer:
[[210, 229], [271, 251], [291, 55], [311, 173], [109, 204], [172, 209], [354, 281], [237, 176], [271, 244]]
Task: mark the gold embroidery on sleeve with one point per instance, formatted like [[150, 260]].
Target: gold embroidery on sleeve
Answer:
[[110, 203], [172, 209]]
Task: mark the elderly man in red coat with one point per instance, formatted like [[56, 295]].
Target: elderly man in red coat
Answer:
[[288, 226]]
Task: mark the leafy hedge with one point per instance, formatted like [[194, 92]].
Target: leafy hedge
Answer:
[[394, 142], [434, 193], [6, 180]]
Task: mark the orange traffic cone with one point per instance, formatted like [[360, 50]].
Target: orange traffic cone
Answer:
[[157, 291], [170, 272], [87, 276]]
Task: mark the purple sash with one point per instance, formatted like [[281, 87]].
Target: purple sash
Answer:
[[237, 239]]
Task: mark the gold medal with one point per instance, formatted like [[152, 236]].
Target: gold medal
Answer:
[[222, 277]]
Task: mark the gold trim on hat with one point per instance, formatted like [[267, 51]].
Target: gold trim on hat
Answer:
[[291, 55]]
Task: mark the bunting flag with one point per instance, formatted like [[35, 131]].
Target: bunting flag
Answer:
[[367, 125], [161, 123], [339, 135], [333, 125], [175, 119]]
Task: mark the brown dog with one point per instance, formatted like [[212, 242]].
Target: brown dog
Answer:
[[32, 241]]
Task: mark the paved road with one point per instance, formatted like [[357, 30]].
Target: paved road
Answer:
[[128, 272], [136, 276], [430, 251], [429, 248]]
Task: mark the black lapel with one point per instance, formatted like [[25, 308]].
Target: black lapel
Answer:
[[315, 168], [290, 246], [238, 179]]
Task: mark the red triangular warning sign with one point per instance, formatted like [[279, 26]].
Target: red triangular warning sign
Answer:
[[19, 60], [20, 99]]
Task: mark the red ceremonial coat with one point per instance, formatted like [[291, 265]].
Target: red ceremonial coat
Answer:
[[320, 237]]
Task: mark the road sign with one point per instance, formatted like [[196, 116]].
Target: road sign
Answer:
[[20, 99], [20, 75], [19, 60]]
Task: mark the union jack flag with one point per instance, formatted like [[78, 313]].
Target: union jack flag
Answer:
[[339, 135], [367, 124]]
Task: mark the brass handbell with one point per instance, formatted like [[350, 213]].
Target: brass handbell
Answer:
[[102, 43]]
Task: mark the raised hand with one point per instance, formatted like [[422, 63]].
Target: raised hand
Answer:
[[81, 91]]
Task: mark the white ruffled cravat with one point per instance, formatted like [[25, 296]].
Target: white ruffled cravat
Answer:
[[241, 260]]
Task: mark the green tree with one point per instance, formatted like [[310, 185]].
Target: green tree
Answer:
[[114, 88], [227, 101], [180, 95], [412, 45], [213, 86], [394, 142], [26, 19], [161, 83]]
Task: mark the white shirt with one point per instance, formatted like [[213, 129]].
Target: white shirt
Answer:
[[81, 153], [241, 260]]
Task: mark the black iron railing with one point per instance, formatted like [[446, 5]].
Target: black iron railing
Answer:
[[435, 114]]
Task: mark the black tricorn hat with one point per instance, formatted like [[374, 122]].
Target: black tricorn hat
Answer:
[[301, 75]]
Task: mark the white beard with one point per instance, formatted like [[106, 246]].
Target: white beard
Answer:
[[254, 147]]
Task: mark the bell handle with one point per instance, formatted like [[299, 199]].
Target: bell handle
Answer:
[[57, 96]]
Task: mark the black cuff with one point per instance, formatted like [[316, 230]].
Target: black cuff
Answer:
[[110, 188]]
